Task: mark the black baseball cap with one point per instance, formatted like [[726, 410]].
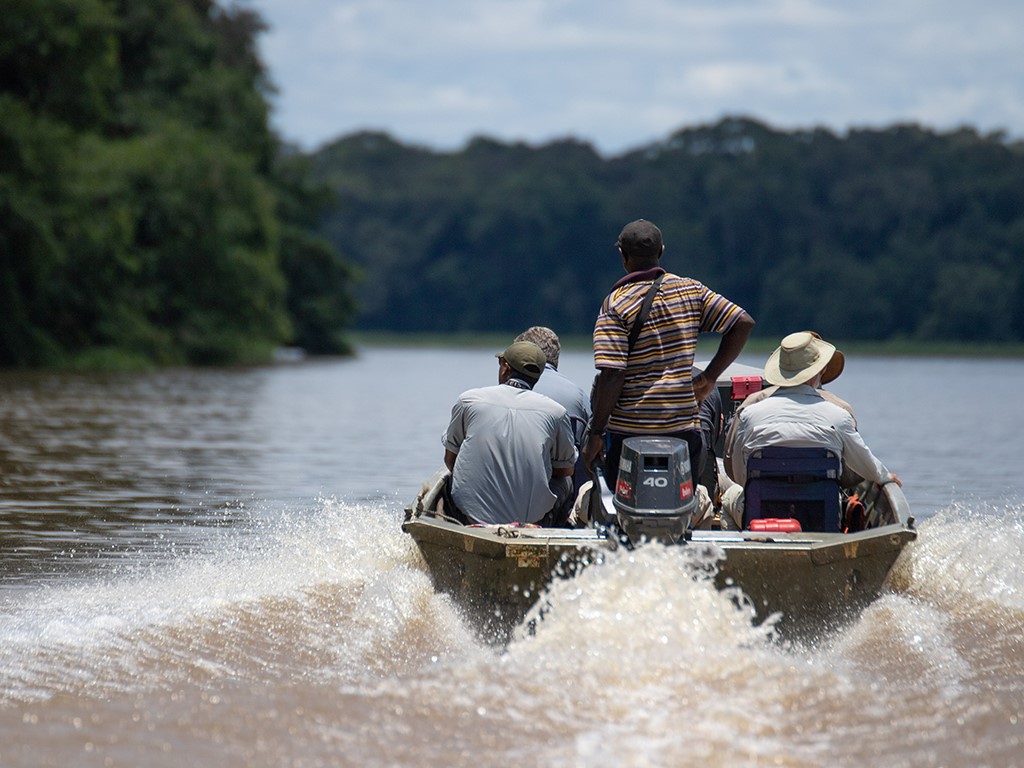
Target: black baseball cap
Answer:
[[640, 238]]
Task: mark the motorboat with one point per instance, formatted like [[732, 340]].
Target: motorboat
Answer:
[[803, 580]]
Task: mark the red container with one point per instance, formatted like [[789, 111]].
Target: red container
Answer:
[[776, 525], [742, 386]]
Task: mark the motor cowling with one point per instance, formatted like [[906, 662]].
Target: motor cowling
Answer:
[[654, 491]]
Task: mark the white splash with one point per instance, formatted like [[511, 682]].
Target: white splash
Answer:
[[337, 593]]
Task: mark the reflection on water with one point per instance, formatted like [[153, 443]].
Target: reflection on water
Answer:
[[97, 465], [206, 568]]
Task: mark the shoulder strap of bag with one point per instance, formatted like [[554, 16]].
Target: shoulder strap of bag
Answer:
[[641, 317]]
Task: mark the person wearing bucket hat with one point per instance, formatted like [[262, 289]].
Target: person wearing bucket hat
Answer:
[[796, 413], [830, 373], [801, 357], [510, 450], [646, 385]]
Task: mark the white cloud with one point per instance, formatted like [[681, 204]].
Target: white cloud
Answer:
[[621, 74]]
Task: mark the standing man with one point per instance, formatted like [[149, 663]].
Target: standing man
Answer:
[[651, 390], [563, 391], [509, 449]]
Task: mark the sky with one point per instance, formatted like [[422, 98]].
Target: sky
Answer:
[[621, 74]]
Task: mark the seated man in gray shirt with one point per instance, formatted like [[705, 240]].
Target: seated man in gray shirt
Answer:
[[510, 450]]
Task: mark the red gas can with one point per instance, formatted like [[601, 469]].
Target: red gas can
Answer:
[[776, 525]]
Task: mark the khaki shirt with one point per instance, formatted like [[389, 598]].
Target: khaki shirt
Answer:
[[735, 455]]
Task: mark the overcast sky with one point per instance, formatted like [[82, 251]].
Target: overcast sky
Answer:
[[623, 73]]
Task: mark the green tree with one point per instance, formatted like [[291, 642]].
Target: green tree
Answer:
[[143, 215], [320, 284]]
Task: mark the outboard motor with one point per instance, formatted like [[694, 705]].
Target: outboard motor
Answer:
[[654, 493]]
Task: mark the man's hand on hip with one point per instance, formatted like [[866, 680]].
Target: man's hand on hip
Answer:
[[702, 386], [593, 449]]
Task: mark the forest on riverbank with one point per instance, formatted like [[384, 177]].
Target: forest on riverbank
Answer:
[[899, 234], [148, 213]]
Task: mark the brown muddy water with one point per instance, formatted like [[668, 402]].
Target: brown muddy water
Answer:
[[206, 568]]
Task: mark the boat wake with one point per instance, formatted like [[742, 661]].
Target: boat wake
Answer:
[[325, 628], [337, 594], [967, 556], [660, 662]]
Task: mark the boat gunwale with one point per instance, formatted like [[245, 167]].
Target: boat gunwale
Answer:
[[592, 538], [903, 527]]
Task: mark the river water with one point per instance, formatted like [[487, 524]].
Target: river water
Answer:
[[206, 568]]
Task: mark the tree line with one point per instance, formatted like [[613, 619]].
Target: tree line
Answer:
[[148, 213], [894, 233]]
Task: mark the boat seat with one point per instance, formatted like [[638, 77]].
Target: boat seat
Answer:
[[799, 483]]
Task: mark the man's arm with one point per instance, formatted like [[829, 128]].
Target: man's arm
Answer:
[[859, 458], [606, 394], [563, 450], [729, 349], [454, 435], [733, 459]]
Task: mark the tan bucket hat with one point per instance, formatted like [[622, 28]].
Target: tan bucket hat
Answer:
[[835, 365], [802, 356]]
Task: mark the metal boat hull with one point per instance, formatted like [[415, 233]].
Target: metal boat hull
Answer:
[[813, 580]]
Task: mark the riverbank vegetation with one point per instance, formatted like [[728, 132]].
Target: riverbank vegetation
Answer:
[[900, 236], [148, 214]]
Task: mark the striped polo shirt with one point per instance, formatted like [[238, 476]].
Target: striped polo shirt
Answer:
[[657, 395]]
